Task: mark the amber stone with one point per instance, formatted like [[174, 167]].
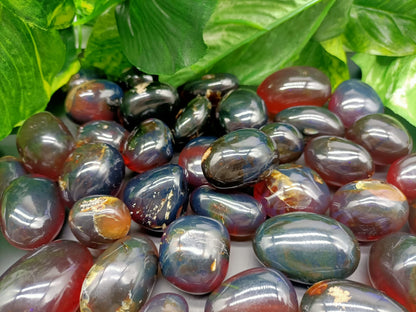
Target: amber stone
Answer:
[[122, 278], [44, 142], [337, 160], [391, 267], [384, 136], [98, 220], [46, 279], [32, 212], [294, 86]]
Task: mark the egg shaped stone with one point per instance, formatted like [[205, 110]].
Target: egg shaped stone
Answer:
[[91, 169], [241, 108], [157, 197], [48, 278], [292, 187], [307, 247], [122, 278], [288, 139], [391, 267], [384, 136], [370, 208], [239, 158], [169, 302], [312, 121], [348, 296], [194, 254], [256, 289], [239, 212], [32, 212], [338, 160], [148, 146], [402, 174]]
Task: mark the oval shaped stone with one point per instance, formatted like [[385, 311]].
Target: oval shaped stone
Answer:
[[241, 108], [32, 212], [337, 160], [292, 187], [190, 159], [194, 254], [46, 279], [239, 212], [99, 220], [353, 99], [169, 302], [307, 247], [370, 208], [288, 139], [257, 289], [148, 146], [44, 142], [91, 169], [294, 86], [402, 174], [239, 158], [157, 197], [122, 277], [391, 267], [312, 121], [348, 296], [384, 137]]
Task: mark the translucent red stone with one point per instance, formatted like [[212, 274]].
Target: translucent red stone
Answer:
[[402, 173], [294, 86]]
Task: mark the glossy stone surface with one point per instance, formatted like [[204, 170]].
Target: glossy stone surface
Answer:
[[122, 278], [104, 131], [391, 267], [257, 289], [131, 77], [190, 159], [307, 247], [148, 146], [348, 296], [241, 213], [192, 119], [239, 158], [10, 169], [292, 187], [93, 100], [312, 121], [194, 254], [82, 76], [91, 169], [43, 143], [384, 136], [214, 86], [288, 140], [402, 174], [353, 99], [370, 208], [294, 86], [170, 302], [32, 213], [241, 108], [99, 220], [149, 100], [337, 160], [157, 197], [46, 279]]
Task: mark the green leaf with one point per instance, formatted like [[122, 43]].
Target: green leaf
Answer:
[[254, 38], [335, 22], [30, 58], [394, 79], [159, 36], [329, 57], [88, 10], [104, 50], [382, 27], [44, 14]]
